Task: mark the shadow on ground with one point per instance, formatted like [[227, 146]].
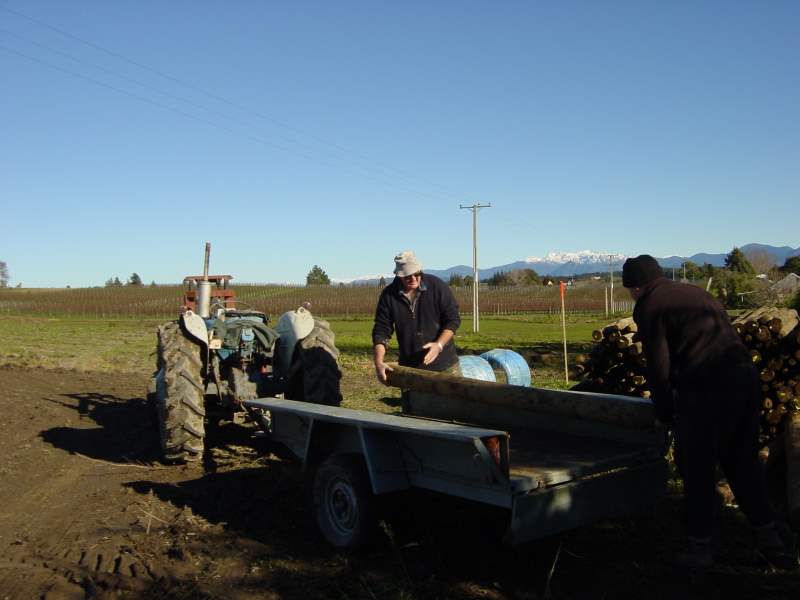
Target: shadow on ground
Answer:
[[127, 429]]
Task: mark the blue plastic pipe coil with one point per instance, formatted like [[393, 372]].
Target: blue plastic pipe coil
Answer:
[[516, 369], [475, 367]]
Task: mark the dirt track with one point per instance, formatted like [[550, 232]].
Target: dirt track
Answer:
[[87, 511]]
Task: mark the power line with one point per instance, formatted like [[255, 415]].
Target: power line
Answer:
[[141, 98], [180, 99], [206, 121], [227, 101], [121, 76]]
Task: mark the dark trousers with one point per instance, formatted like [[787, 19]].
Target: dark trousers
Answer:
[[717, 423]]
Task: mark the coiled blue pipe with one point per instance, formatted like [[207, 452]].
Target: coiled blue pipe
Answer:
[[516, 369], [475, 367]]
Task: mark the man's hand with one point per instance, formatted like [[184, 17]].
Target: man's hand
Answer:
[[380, 370], [664, 424], [434, 350]]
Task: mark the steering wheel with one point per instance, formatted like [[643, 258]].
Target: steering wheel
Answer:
[[245, 305]]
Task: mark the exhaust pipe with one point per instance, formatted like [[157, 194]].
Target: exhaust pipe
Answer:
[[204, 288]]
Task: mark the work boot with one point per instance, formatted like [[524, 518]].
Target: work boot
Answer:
[[776, 543], [699, 554]]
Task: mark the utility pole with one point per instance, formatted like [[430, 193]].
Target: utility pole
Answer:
[[611, 279], [475, 282]]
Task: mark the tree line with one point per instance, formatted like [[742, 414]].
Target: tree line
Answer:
[[134, 280], [503, 278]]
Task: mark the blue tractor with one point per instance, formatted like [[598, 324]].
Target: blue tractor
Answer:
[[219, 353]]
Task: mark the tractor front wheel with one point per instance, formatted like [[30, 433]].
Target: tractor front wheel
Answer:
[[315, 374]]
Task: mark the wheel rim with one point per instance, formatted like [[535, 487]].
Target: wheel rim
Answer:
[[342, 506]]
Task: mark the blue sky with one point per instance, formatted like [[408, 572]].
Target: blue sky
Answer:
[[290, 134]]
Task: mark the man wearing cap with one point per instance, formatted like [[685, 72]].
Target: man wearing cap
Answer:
[[705, 388], [423, 312]]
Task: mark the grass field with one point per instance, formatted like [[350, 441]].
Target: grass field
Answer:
[[128, 345]]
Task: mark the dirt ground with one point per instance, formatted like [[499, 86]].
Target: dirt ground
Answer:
[[87, 511]]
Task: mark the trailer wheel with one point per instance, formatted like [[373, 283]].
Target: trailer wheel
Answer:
[[344, 503]]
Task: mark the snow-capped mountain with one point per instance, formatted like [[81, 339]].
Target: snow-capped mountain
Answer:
[[565, 264], [583, 257]]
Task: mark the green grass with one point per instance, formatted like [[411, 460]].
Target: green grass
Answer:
[[128, 345], [353, 335], [78, 344], [537, 337]]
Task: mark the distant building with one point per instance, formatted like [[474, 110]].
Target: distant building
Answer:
[[787, 286]]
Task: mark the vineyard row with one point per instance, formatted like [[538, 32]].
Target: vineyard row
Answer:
[[163, 302]]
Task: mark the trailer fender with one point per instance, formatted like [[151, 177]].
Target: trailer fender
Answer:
[[381, 451]]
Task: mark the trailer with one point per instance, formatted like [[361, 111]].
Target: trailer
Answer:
[[554, 459]]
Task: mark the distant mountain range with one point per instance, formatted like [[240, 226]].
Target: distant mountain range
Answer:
[[566, 264]]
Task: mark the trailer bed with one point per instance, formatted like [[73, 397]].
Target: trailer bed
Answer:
[[551, 458], [556, 459]]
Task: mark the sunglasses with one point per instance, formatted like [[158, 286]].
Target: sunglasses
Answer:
[[417, 274]]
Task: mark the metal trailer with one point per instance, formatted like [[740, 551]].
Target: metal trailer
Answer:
[[554, 459]]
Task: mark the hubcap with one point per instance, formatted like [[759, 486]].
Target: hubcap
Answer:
[[342, 506]]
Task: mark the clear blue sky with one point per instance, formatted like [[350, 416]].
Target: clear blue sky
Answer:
[[338, 133]]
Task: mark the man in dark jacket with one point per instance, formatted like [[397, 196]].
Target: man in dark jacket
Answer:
[[423, 312], [705, 388]]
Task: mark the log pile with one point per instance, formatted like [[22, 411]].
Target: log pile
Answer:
[[616, 364], [772, 336]]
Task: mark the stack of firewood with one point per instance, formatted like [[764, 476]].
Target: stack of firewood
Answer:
[[772, 336], [616, 364]]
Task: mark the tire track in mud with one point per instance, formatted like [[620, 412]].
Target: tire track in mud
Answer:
[[59, 512], [87, 511]]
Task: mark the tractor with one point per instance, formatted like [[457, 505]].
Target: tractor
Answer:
[[220, 352]]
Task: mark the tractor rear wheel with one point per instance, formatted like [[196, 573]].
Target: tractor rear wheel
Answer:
[[315, 375], [179, 395]]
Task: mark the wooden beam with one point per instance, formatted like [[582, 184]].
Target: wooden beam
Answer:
[[605, 408]]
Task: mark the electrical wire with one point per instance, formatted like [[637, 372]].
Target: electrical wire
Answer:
[[209, 122], [123, 77], [371, 162]]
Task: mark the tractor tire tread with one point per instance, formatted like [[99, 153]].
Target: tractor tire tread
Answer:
[[180, 397], [318, 378]]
